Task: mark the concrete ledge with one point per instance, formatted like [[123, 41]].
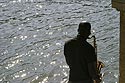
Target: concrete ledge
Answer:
[[119, 4]]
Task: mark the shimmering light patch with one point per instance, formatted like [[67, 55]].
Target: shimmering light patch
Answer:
[[19, 0], [40, 6], [37, 30], [36, 77], [65, 66], [28, 18], [0, 80], [53, 62], [60, 66], [22, 13], [110, 72], [5, 52], [22, 71], [0, 4], [22, 24], [14, 1], [112, 58], [44, 63], [12, 41], [46, 55], [15, 37], [16, 76], [37, 13], [50, 26], [93, 31], [58, 43], [23, 75], [56, 75], [29, 72], [65, 73], [7, 67], [19, 28], [40, 62], [34, 36], [48, 45], [10, 65], [84, 21], [116, 75], [35, 68], [41, 53], [50, 33], [15, 62], [23, 37], [63, 81], [65, 33], [43, 47], [37, 54], [4, 5], [45, 80], [59, 29], [58, 52], [32, 51], [107, 61]]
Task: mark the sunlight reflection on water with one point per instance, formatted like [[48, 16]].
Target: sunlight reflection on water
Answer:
[[33, 33]]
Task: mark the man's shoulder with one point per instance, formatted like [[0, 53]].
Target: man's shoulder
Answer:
[[71, 41]]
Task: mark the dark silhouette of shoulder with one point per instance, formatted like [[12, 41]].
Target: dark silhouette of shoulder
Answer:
[[71, 41]]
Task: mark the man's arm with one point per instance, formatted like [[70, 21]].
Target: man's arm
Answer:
[[92, 67], [67, 53]]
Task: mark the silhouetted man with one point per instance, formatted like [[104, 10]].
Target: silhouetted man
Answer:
[[80, 57]]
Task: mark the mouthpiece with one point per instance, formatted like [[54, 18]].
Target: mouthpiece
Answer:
[[93, 36]]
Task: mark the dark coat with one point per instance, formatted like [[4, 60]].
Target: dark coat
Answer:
[[78, 53]]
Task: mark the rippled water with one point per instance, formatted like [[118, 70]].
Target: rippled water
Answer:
[[33, 32]]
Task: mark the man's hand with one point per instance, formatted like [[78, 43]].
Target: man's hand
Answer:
[[97, 81]]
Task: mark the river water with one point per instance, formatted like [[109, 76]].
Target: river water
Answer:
[[33, 32]]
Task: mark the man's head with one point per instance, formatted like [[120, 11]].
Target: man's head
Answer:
[[84, 29]]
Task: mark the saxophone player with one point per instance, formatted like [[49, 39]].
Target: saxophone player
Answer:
[[81, 57]]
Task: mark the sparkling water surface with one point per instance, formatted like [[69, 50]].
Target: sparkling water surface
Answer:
[[33, 33]]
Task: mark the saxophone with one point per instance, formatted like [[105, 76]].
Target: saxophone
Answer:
[[100, 64]]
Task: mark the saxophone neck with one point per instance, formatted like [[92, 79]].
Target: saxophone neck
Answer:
[[94, 41]]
